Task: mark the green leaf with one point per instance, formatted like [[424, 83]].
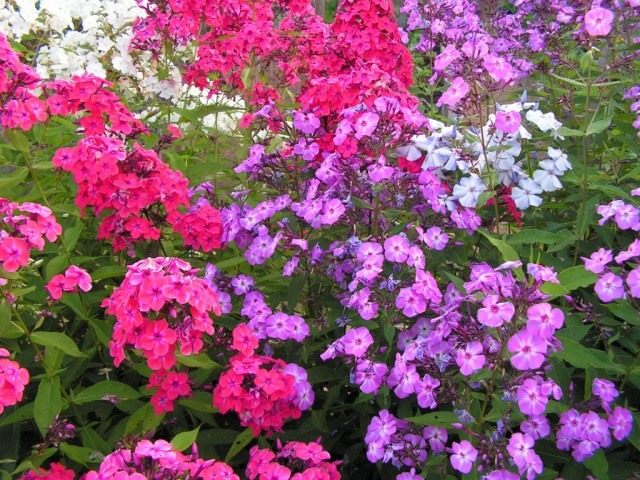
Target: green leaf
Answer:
[[104, 390], [598, 465], [570, 81], [56, 265], [532, 235], [598, 126], [576, 277], [81, 455], [5, 317], [48, 403], [17, 140], [507, 251], [440, 419], [582, 357], [569, 132], [184, 440], [231, 262], [143, 420], [295, 292], [110, 271], [71, 235], [242, 440], [201, 360], [625, 311], [13, 179], [57, 340]]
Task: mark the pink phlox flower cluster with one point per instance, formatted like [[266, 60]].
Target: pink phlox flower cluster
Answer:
[[24, 227], [292, 461], [13, 380], [159, 459], [264, 391], [73, 280]]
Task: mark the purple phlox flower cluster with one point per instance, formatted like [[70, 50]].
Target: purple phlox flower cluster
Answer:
[[617, 280], [633, 94], [265, 323], [396, 441], [583, 433]]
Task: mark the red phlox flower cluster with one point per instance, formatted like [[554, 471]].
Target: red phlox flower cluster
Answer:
[[132, 188], [238, 34], [104, 109], [19, 107], [262, 390], [74, 278], [294, 461], [23, 227], [56, 471], [364, 59], [159, 459], [200, 226], [161, 308], [13, 379]]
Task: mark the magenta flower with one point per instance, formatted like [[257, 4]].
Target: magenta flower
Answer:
[[598, 260], [435, 238], [531, 400], [605, 390], [470, 359], [609, 287], [544, 319], [463, 455], [633, 282], [508, 122], [536, 426], [366, 124], [620, 421], [396, 248], [306, 122], [410, 302], [528, 350], [356, 341], [456, 92], [332, 211], [14, 253], [597, 22], [627, 217], [498, 68], [495, 313]]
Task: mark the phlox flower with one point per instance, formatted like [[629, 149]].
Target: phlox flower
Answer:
[[455, 93], [470, 358], [528, 350], [494, 313], [544, 319], [463, 455], [508, 122], [609, 287], [597, 22]]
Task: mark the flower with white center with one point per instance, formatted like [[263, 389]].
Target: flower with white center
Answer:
[[468, 190], [525, 194]]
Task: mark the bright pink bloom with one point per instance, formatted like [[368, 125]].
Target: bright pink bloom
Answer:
[[508, 122], [14, 253]]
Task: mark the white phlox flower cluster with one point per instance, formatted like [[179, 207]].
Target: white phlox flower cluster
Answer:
[[489, 157], [94, 36]]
